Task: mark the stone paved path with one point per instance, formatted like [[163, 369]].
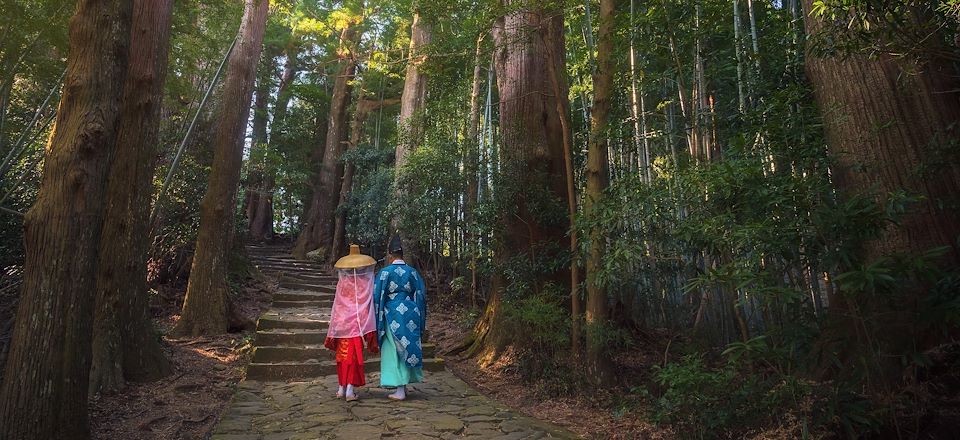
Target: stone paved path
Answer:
[[442, 407], [288, 392]]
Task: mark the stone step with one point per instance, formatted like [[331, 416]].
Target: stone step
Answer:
[[290, 265], [282, 371], [271, 249], [290, 337], [284, 354], [281, 271], [304, 295], [317, 304], [265, 252], [280, 354], [299, 285], [287, 260], [292, 268], [269, 252], [304, 277], [289, 324]]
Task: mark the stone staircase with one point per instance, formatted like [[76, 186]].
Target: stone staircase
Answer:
[[290, 335]]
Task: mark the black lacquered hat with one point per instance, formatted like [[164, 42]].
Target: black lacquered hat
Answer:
[[395, 246]]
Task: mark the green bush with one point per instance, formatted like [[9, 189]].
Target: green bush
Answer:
[[538, 328], [704, 402]]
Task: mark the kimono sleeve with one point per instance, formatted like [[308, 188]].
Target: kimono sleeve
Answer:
[[420, 290], [378, 301]]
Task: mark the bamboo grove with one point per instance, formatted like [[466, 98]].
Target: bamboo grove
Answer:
[[764, 193]]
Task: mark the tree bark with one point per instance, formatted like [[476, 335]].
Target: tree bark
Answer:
[[597, 174], [207, 308], [471, 164], [886, 119], [125, 344], [886, 122], [318, 230], [414, 92], [532, 152], [256, 197], [411, 123], [321, 122], [261, 212], [556, 66], [363, 109], [44, 394]]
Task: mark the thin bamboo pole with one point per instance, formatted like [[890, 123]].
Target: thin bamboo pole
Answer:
[[20, 145], [161, 198]]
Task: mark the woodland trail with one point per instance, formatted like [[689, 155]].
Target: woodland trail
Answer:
[[290, 382]]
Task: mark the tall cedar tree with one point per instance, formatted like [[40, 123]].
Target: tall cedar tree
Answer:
[[363, 108], [207, 308], [412, 102], [44, 394], [532, 154], [256, 197], [414, 91], [260, 201], [317, 231], [125, 344], [886, 119]]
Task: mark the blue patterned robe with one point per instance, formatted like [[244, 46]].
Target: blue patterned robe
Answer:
[[400, 295]]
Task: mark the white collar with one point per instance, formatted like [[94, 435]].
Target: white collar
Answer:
[[398, 261]]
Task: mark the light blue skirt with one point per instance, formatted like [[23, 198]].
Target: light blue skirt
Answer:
[[394, 372]]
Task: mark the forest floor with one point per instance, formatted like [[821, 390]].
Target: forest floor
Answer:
[[605, 413], [189, 402]]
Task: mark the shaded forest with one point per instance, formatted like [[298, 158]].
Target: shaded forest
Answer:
[[699, 218]]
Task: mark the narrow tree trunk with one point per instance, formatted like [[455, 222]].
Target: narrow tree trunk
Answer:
[[411, 115], [687, 109], [638, 110], [363, 109], [207, 308], [44, 393], [261, 225], [738, 45], [261, 212], [257, 165], [125, 344], [556, 68], [318, 230], [414, 92], [471, 162], [597, 179], [702, 110], [319, 141]]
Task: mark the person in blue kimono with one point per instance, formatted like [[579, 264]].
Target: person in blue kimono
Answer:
[[400, 294]]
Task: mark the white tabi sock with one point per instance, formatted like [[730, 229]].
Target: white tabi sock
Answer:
[[350, 391], [340, 391], [400, 393]]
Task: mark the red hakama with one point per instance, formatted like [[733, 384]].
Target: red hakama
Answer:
[[349, 356]]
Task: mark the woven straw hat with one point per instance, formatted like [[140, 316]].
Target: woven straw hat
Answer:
[[355, 259]]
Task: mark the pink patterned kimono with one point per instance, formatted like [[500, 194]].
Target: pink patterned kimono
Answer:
[[352, 322]]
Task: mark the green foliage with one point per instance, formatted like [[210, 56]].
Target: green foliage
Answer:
[[465, 318], [368, 208], [704, 402], [900, 28], [696, 401], [541, 320], [537, 328]]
